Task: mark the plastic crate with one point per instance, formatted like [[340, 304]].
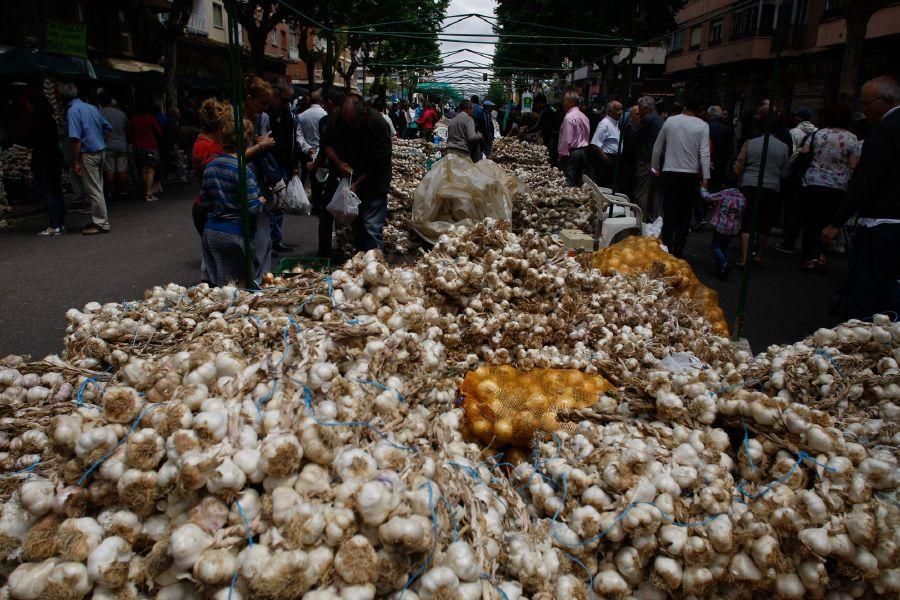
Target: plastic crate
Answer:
[[286, 265]]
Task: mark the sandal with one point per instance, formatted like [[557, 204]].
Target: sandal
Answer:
[[93, 230]]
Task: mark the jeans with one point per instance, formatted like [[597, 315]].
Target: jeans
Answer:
[[719, 249], [367, 226], [49, 183], [680, 193], [818, 204], [92, 181], [873, 285], [573, 167]]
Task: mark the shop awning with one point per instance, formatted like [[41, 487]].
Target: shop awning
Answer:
[[444, 90], [133, 66], [29, 61]]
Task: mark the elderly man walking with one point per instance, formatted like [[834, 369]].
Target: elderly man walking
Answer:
[[573, 141], [874, 196], [87, 131], [605, 144], [461, 134], [643, 137]]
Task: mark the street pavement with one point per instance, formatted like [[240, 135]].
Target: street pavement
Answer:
[[156, 243]]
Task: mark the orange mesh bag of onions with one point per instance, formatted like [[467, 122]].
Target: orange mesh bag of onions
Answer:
[[645, 255], [507, 407]]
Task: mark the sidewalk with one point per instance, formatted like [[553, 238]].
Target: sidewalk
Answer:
[[150, 243]]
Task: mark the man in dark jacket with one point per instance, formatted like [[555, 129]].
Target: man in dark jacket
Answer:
[[874, 196], [721, 141], [358, 145], [332, 98], [643, 137]]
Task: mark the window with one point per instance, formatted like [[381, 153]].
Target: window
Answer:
[[696, 37], [218, 16], [715, 32], [284, 40], [743, 22], [676, 42], [274, 40]]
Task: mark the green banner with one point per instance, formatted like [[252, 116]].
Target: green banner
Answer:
[[70, 39]]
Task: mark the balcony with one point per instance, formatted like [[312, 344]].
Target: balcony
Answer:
[[196, 25]]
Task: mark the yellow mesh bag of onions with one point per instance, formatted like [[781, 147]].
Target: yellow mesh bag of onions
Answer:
[[645, 255], [507, 407]]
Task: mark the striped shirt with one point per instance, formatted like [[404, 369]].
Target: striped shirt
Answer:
[[220, 194]]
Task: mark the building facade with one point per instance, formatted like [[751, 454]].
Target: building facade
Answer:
[[723, 50]]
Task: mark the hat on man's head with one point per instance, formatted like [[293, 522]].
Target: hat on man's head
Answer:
[[487, 103], [804, 113]]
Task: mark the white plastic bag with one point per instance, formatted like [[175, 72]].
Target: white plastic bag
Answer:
[[344, 206], [296, 200], [679, 362], [654, 229]]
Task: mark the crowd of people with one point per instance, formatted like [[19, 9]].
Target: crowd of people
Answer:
[[102, 144], [695, 168]]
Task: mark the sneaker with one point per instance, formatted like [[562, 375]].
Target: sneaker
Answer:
[[52, 231], [151, 198], [784, 248]]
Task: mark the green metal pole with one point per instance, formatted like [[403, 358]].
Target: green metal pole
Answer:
[[758, 192], [235, 52]]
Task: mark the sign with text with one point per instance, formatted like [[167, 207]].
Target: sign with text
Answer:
[[70, 39]]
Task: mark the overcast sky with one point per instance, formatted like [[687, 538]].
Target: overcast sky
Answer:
[[470, 25]]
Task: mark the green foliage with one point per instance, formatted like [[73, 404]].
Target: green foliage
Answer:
[[565, 20], [498, 93]]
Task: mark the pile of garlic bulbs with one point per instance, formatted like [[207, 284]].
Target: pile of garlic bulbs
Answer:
[[15, 163], [304, 442]]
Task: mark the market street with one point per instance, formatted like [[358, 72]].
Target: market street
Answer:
[[155, 243]]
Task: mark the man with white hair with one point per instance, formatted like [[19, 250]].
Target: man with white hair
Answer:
[[605, 144], [87, 131], [644, 133], [873, 195]]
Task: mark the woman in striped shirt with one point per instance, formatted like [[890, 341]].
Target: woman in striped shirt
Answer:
[[223, 243]]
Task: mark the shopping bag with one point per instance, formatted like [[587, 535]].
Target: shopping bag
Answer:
[[344, 205], [296, 200]]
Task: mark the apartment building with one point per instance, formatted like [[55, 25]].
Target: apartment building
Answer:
[[723, 49]]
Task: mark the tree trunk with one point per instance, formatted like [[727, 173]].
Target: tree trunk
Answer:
[[859, 12], [257, 38]]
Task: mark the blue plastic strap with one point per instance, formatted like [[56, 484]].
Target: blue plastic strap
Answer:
[[134, 426]]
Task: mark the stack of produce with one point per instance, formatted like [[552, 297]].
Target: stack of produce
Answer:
[[49, 89], [303, 442], [550, 205], [15, 163], [645, 255]]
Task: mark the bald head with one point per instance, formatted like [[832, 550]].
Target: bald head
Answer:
[[878, 96]]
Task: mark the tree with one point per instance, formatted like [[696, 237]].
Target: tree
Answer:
[[610, 23], [859, 13], [166, 31], [258, 18]]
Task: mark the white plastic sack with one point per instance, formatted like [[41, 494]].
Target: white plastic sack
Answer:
[[457, 191], [654, 229], [296, 200], [344, 206], [679, 362]]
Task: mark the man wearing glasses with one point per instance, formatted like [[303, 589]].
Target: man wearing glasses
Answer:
[[874, 195]]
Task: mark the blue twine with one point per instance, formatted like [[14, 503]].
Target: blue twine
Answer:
[[134, 425], [452, 518], [264, 400], [470, 471], [801, 456], [307, 398], [830, 359], [381, 386], [746, 444], [79, 400], [490, 579], [586, 570], [434, 523], [246, 522], [28, 470], [886, 498]]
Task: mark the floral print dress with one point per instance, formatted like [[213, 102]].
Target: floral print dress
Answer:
[[830, 167]]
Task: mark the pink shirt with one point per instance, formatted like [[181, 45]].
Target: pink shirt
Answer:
[[575, 132]]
